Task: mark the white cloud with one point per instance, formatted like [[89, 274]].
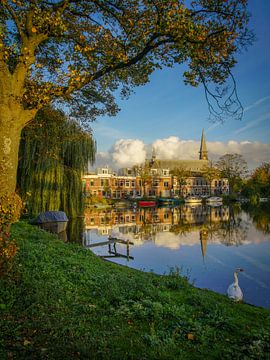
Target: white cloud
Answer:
[[174, 148], [128, 152]]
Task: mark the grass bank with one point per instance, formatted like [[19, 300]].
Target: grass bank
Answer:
[[62, 302]]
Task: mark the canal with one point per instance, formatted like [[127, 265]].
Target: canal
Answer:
[[205, 243]]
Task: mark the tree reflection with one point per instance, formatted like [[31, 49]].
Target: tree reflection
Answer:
[[260, 216], [228, 225], [233, 231]]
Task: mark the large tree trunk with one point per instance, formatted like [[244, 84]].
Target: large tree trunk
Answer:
[[12, 121]]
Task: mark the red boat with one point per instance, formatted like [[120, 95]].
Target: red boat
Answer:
[[147, 203]]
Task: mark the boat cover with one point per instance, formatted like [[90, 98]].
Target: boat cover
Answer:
[[51, 216]]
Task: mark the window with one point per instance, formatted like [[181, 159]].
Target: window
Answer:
[[133, 183], [165, 172], [92, 182], [104, 171], [166, 184], [127, 183]]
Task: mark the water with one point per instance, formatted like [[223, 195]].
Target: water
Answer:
[[207, 243]]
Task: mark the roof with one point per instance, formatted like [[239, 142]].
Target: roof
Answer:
[[190, 165]]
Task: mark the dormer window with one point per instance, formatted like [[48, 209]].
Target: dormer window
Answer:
[[165, 172]]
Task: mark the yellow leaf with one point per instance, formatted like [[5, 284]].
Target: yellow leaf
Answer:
[[190, 336], [26, 342], [34, 30]]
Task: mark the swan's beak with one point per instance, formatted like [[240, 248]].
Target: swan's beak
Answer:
[[240, 269]]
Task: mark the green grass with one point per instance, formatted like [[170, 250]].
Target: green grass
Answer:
[[62, 302]]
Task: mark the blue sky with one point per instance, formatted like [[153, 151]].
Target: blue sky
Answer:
[[166, 108]]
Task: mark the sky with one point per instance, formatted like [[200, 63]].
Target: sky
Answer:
[[169, 116]]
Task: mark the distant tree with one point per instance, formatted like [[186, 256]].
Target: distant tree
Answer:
[[258, 185], [261, 179], [233, 167], [210, 173], [54, 152], [145, 175], [78, 53], [181, 174]]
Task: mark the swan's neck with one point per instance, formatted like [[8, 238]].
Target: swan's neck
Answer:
[[235, 278]]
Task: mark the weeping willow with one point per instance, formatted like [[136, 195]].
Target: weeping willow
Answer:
[[54, 152]]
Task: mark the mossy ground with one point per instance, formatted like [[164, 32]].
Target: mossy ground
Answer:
[[62, 302]]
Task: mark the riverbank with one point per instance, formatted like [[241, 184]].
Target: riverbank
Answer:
[[62, 302]]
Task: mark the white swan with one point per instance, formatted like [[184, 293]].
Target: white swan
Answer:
[[234, 291]]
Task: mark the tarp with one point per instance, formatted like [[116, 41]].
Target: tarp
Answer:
[[50, 216]]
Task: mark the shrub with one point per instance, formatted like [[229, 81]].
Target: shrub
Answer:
[[10, 210]]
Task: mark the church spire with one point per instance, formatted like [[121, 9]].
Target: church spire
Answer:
[[203, 149], [154, 155], [203, 239]]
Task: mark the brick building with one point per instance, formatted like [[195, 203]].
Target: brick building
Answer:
[[155, 178]]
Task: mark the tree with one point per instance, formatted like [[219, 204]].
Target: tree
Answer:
[[145, 175], [76, 54], [233, 167], [210, 173], [54, 152], [258, 185], [181, 174], [261, 179]]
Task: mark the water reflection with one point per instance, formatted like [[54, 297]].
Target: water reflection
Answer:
[[208, 242], [222, 224]]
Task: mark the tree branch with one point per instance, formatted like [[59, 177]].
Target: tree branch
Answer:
[[149, 46], [14, 17]]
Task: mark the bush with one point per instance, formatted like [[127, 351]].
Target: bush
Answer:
[[10, 210]]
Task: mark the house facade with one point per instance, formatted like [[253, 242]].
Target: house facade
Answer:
[[157, 178]]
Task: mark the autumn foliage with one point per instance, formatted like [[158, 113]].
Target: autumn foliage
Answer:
[[10, 209], [78, 54]]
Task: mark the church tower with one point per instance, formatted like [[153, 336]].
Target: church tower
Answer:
[[153, 158], [203, 149]]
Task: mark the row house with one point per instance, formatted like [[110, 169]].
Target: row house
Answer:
[[155, 179]]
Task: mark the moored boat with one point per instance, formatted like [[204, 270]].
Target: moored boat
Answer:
[[169, 201], [147, 203], [193, 200], [214, 199], [52, 221]]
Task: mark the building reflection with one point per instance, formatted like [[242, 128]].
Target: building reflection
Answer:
[[167, 226], [162, 219]]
